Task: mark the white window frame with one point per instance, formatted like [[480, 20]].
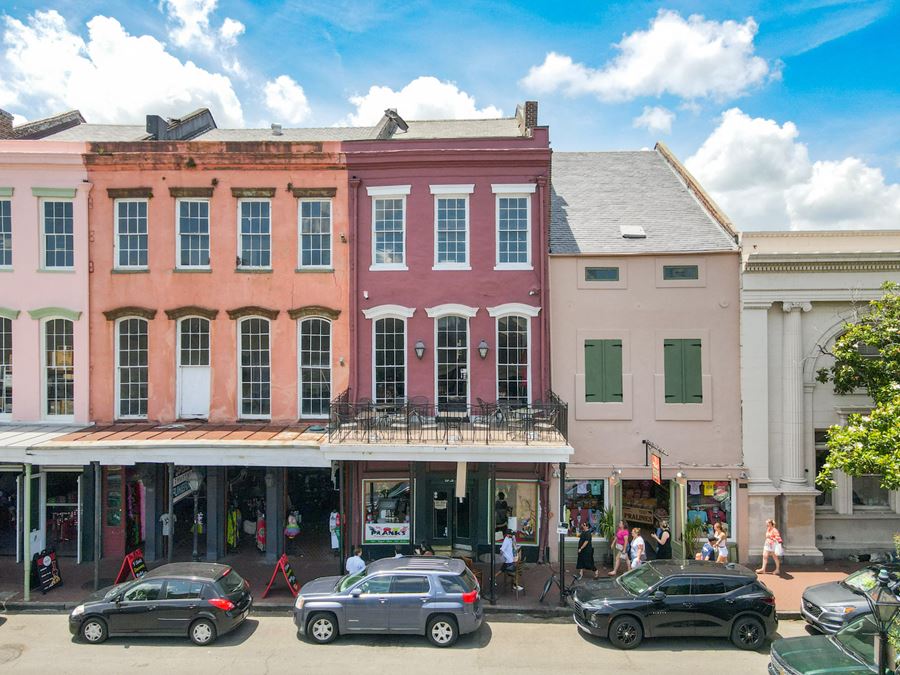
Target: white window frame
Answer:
[[43, 266], [178, 203], [8, 415], [453, 192], [116, 248], [118, 375], [529, 312], [330, 201], [390, 312], [300, 322], [389, 192], [240, 383], [513, 191], [44, 414], [7, 200], [240, 235]]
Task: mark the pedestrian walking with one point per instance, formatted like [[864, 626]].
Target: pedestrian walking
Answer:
[[721, 535], [663, 539], [355, 562], [620, 548], [773, 547], [586, 552], [638, 549]]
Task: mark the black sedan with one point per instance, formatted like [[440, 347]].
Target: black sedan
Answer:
[[197, 600], [668, 598]]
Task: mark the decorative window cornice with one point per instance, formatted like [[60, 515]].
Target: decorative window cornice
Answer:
[[452, 189], [191, 192], [257, 192], [6, 191], [54, 312], [388, 190], [513, 308], [314, 192], [122, 312], [252, 310], [130, 193], [191, 310], [7, 313], [823, 262], [451, 309], [513, 188], [58, 193], [314, 310], [383, 311]]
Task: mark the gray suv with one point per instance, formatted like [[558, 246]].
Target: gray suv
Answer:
[[418, 595]]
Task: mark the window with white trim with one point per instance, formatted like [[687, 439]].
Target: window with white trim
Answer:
[[389, 231], [194, 345], [255, 389], [512, 359], [131, 233], [59, 367], [131, 367], [315, 233], [315, 367], [513, 219], [6, 354], [452, 361], [390, 360], [5, 233], [193, 233], [59, 235], [451, 231], [255, 229]]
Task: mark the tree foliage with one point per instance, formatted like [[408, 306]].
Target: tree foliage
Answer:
[[867, 356]]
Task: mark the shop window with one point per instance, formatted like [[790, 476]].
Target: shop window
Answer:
[[603, 371], [512, 359], [390, 360], [518, 502], [683, 371], [6, 354], [59, 367], [868, 493], [821, 438], [452, 361], [584, 504], [386, 511], [62, 512], [709, 501], [315, 367], [255, 360], [315, 233], [132, 368], [645, 504]]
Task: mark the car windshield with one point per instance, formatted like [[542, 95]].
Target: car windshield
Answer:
[[861, 581], [858, 638], [349, 580], [639, 580]]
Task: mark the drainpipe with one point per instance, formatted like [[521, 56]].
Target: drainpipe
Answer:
[[562, 537], [26, 540], [354, 284]]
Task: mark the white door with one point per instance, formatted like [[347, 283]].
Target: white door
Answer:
[[38, 513], [194, 373]]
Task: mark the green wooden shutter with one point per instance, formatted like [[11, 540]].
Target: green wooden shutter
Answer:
[[593, 371], [693, 372], [612, 371], [674, 370]]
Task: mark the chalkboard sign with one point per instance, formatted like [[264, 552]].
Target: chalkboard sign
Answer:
[[132, 562], [284, 566], [46, 570]]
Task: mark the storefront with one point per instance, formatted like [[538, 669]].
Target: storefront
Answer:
[[10, 498]]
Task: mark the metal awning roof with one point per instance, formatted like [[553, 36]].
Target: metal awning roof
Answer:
[[544, 452]]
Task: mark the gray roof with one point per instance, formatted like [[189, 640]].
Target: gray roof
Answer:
[[289, 135], [594, 194], [504, 127], [100, 132]]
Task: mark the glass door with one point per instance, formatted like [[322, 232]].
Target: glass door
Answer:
[[36, 535], [440, 509], [463, 517]]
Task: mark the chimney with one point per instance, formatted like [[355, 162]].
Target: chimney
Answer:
[[527, 116], [157, 127], [276, 129], [6, 124]]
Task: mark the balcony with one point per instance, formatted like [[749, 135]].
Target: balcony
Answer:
[[417, 421]]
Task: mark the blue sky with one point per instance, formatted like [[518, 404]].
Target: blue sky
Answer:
[[810, 137]]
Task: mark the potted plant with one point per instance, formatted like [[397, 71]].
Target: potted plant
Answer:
[[694, 529]]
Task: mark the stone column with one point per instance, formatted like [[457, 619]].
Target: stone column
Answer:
[[792, 393]]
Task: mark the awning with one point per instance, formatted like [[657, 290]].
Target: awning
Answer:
[[16, 439], [448, 453], [212, 454]]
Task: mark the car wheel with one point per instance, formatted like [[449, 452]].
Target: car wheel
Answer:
[[442, 631], [322, 628], [748, 633], [203, 632], [94, 631], [626, 632]]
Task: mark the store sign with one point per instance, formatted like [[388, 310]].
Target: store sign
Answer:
[[656, 469], [134, 563], [181, 486], [46, 569], [386, 533]]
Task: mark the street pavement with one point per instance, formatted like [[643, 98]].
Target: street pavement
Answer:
[[40, 643]]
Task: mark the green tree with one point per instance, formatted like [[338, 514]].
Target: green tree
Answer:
[[867, 356]]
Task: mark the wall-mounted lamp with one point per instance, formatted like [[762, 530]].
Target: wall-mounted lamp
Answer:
[[533, 292], [483, 349], [343, 238], [420, 349], [615, 477], [681, 478]]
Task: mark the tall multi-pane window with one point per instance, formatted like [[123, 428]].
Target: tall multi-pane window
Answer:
[[451, 231], [6, 354], [315, 367], [315, 233], [193, 233], [388, 245], [5, 233], [255, 233], [512, 230], [59, 236], [59, 365], [194, 345], [452, 360], [390, 360], [256, 374], [131, 233], [132, 367], [512, 359]]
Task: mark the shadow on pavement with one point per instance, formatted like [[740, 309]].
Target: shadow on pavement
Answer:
[[477, 640], [233, 639], [680, 644], [2, 620]]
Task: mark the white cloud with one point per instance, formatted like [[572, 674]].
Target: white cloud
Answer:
[[422, 99], [192, 29], [689, 58], [763, 178], [113, 77], [286, 99], [655, 118], [230, 30]]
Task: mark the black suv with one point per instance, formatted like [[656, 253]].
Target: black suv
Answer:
[[669, 598]]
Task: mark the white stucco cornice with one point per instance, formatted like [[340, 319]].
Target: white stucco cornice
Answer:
[[451, 309], [388, 190], [513, 188], [513, 308], [822, 262], [384, 311]]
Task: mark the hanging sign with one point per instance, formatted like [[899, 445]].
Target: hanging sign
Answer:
[[132, 562], [46, 569], [181, 486], [656, 469], [284, 566], [386, 533]]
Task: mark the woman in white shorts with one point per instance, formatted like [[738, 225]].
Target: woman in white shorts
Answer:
[[773, 547], [638, 549], [721, 542]]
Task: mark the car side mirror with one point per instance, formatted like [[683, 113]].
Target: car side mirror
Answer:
[[658, 596], [118, 599], [356, 592]]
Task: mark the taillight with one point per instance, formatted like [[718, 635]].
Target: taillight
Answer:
[[470, 597], [224, 604], [768, 599]]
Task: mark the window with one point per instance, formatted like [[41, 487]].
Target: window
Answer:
[[821, 440], [376, 586], [6, 386], [255, 233], [59, 365], [463, 583], [132, 370], [59, 238], [194, 346], [521, 508], [584, 504], [451, 231], [386, 511], [61, 511], [131, 233], [144, 591], [388, 240], [255, 371], [681, 272], [315, 367], [452, 361], [410, 584], [193, 233], [512, 359], [683, 373], [676, 586], [868, 493], [183, 589], [707, 586], [710, 502], [868, 351], [601, 273], [513, 218], [5, 233], [390, 360], [603, 371], [315, 233]]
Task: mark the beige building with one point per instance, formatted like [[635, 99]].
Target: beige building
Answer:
[[645, 316]]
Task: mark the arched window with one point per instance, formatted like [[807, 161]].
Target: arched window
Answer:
[[315, 367], [194, 373], [59, 368], [131, 367], [254, 357], [6, 354], [452, 360]]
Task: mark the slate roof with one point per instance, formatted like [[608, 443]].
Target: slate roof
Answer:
[[289, 135], [88, 133], [503, 127], [593, 194]]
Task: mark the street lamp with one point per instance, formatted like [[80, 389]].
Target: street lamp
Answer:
[[885, 606], [194, 481]]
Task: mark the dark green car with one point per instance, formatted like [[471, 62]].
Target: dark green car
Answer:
[[850, 651]]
